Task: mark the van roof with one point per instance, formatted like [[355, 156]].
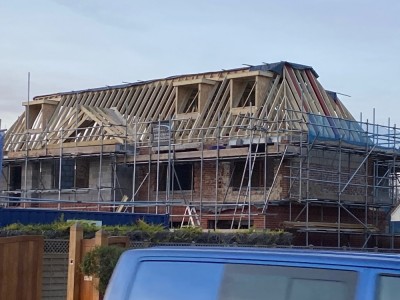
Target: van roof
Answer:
[[344, 258]]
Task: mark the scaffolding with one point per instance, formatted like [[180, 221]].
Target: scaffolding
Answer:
[[364, 158], [272, 151]]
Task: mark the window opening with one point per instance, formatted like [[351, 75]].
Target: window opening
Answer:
[[227, 224], [15, 177], [15, 184], [182, 175], [241, 170], [69, 178]]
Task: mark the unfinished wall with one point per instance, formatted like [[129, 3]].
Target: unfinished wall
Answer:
[[212, 187], [325, 174], [101, 178], [42, 180]]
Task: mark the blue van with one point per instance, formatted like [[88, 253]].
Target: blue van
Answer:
[[196, 273]]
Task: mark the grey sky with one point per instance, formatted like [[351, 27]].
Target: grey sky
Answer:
[[68, 45]]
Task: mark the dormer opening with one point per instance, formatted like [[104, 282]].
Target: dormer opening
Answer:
[[39, 111], [248, 91], [248, 97], [188, 99], [191, 97]]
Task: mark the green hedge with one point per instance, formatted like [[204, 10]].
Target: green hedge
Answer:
[[142, 232]]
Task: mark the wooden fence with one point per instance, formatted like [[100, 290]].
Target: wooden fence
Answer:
[[82, 287], [21, 260]]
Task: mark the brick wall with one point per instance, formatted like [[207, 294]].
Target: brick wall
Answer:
[[323, 177], [213, 185]]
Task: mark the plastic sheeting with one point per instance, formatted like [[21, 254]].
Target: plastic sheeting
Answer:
[[352, 132], [329, 128]]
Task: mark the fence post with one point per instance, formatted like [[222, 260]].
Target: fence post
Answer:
[[100, 239], [74, 259]]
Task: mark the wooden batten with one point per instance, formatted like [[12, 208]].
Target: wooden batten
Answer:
[[194, 81], [250, 74]]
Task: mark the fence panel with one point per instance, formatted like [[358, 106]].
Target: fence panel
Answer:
[[21, 267], [55, 269]]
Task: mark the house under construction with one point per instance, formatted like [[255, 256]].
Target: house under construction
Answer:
[[262, 146]]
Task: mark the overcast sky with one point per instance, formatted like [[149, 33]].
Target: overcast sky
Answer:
[[69, 45]]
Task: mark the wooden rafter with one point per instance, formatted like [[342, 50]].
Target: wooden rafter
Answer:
[[283, 103]]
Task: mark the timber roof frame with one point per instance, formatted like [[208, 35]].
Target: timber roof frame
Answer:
[[286, 94]]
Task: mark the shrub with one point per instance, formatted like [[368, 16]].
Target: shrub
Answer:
[[185, 235], [100, 262]]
